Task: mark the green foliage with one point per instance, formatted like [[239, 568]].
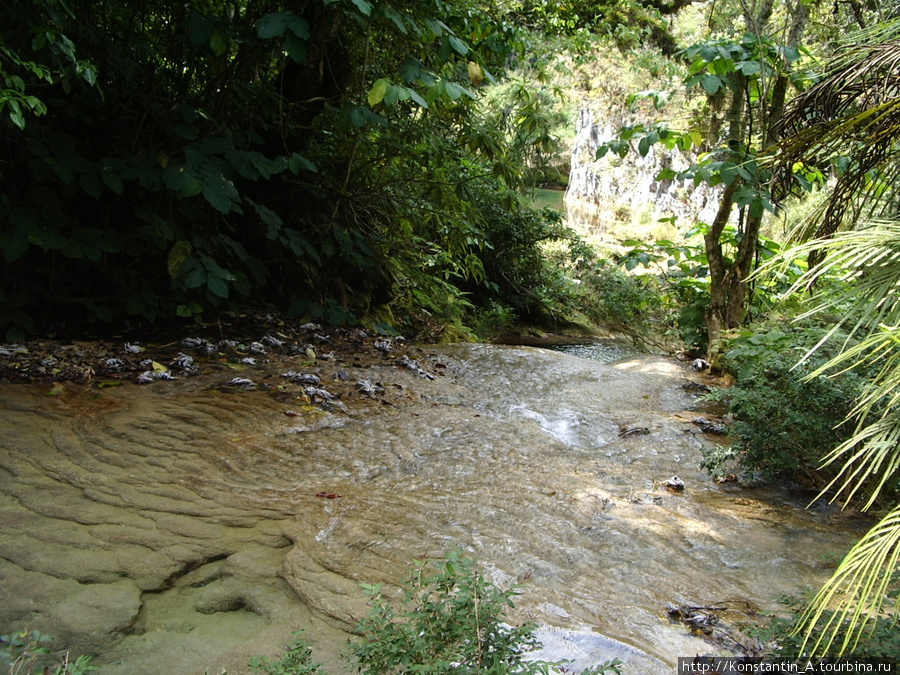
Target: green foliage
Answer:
[[626, 303], [296, 660], [24, 653], [628, 22], [882, 641], [493, 320], [451, 620], [716, 64], [784, 423], [194, 159], [681, 274]]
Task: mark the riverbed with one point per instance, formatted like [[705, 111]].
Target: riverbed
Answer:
[[187, 525]]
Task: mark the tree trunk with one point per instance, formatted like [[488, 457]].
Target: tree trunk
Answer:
[[721, 308], [728, 284]]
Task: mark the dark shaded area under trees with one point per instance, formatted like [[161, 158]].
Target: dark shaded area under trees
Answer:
[[327, 159]]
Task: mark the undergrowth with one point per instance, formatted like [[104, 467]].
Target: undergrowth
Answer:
[[451, 620]]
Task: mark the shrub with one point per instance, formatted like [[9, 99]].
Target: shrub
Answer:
[[784, 424], [624, 302], [451, 620]]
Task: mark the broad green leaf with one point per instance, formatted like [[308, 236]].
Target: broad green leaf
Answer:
[[458, 45], [299, 27], [667, 174], [195, 278], [397, 18], [414, 95], [220, 192], [729, 173], [296, 163], [90, 184], [711, 83], [396, 93], [750, 67], [218, 42], [453, 90], [792, 54], [274, 24], [644, 145], [13, 246], [199, 29], [178, 254], [378, 91], [410, 70], [217, 286], [295, 47], [364, 6], [191, 187]]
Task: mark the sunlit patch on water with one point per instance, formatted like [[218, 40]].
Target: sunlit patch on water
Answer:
[[607, 351], [582, 648]]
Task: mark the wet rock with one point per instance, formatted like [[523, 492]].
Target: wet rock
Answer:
[[709, 427], [674, 483], [271, 341], [184, 363], [113, 364], [317, 394], [324, 589], [367, 388], [413, 365], [696, 387], [149, 376], [302, 378], [242, 383], [633, 430]]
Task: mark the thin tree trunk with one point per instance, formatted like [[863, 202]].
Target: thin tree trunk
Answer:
[[728, 285], [717, 315]]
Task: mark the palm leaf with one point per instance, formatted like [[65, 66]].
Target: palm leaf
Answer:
[[849, 125], [855, 593]]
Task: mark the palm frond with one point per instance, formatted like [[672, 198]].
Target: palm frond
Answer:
[[847, 124], [867, 258], [856, 592]]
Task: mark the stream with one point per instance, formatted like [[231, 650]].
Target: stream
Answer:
[[182, 527]]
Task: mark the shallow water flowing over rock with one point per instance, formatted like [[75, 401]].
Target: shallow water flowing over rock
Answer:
[[175, 527]]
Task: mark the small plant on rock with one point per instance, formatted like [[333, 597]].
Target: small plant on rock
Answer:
[[451, 620], [25, 653]]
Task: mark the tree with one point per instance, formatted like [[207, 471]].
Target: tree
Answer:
[[746, 81], [849, 126], [323, 159]]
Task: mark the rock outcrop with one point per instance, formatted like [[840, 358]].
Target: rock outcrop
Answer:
[[617, 193]]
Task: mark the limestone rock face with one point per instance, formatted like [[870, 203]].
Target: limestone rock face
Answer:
[[616, 193]]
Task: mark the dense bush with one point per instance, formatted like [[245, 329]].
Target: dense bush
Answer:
[[25, 653], [784, 423], [626, 303]]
